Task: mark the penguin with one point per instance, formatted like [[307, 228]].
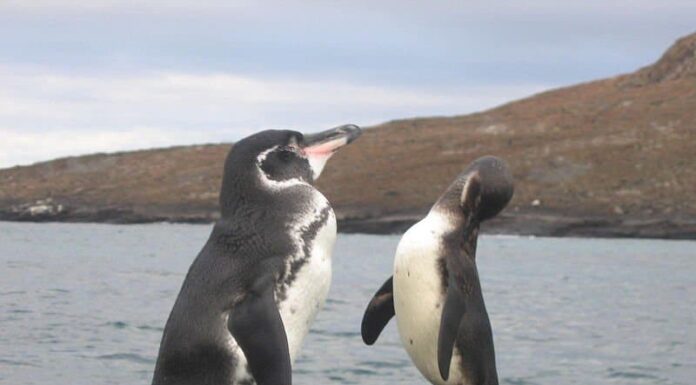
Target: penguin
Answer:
[[251, 294], [435, 292]]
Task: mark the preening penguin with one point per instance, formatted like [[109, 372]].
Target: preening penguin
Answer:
[[253, 291], [435, 292]]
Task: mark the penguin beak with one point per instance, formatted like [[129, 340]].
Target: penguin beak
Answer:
[[321, 146]]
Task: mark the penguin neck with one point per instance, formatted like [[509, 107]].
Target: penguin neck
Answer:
[[462, 224], [457, 230], [454, 219], [240, 196]]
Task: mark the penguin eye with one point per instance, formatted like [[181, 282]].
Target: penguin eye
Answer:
[[285, 155]]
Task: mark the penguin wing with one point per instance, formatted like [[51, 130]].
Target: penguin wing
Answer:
[[465, 312], [465, 323], [257, 327], [452, 313], [378, 313]]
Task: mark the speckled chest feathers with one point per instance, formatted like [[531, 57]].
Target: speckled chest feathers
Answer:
[[299, 230]]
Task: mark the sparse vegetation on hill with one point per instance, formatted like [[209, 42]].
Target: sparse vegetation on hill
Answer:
[[611, 157]]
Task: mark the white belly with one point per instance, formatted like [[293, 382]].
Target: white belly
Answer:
[[304, 298], [418, 297], [308, 292]]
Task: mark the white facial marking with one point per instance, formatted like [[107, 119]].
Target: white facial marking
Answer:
[[275, 184], [262, 156], [465, 191], [281, 184], [467, 185]]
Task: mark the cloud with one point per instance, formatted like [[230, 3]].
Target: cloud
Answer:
[[106, 75], [21, 147], [393, 6], [44, 114], [101, 6], [433, 43]]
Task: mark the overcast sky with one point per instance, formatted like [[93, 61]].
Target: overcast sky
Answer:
[[79, 77]]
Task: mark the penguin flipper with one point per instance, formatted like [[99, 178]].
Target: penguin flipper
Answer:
[[465, 322], [452, 314], [256, 325], [378, 313]]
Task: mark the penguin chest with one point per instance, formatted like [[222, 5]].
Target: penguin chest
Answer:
[[307, 278], [419, 297], [302, 289]]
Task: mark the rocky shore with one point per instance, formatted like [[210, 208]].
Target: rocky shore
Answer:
[[513, 223]]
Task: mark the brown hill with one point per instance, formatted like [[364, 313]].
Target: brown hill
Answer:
[[610, 157]]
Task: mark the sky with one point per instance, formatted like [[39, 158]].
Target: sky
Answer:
[[80, 77]]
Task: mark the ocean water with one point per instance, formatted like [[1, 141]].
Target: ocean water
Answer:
[[85, 304]]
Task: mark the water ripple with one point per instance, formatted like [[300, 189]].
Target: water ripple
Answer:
[[563, 311], [131, 357]]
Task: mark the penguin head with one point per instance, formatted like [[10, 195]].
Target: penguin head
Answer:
[[274, 159], [481, 191], [291, 157]]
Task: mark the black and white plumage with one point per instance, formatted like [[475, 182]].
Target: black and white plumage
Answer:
[[253, 291], [435, 292]]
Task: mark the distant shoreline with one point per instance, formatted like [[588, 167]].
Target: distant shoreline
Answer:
[[524, 224], [607, 158], [551, 225]]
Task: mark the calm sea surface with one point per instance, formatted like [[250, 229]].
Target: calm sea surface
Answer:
[[85, 304]]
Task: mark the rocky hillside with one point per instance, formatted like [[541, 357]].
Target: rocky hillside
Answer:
[[611, 157]]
